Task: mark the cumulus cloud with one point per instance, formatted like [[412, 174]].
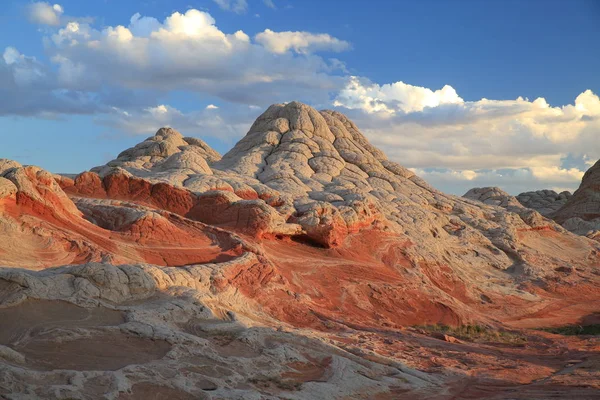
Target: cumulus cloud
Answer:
[[457, 143], [516, 180], [300, 42], [120, 73], [237, 6], [227, 124], [44, 13], [188, 51], [391, 98], [128, 67], [28, 87]]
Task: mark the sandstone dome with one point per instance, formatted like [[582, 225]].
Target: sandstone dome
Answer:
[[301, 264]]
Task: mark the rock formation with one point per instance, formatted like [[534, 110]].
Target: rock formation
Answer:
[[301, 264], [496, 197], [581, 213], [578, 213], [546, 202]]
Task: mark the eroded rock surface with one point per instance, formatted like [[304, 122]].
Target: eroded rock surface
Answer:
[[41, 226], [581, 213], [578, 213], [496, 197], [299, 265], [546, 202]]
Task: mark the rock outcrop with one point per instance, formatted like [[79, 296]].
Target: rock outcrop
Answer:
[[496, 197], [41, 226], [167, 151], [312, 177], [546, 202], [301, 264], [578, 213], [581, 213]]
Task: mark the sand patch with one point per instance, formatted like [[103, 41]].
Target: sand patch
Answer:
[[48, 334], [25, 319], [104, 351]]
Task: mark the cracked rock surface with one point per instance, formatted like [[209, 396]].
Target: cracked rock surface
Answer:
[[578, 213], [546, 202], [302, 264], [581, 213]]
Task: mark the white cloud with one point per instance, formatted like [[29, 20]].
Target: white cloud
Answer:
[[143, 26], [227, 124], [120, 72], [28, 87], [237, 6], [457, 142], [300, 42], [514, 181], [45, 14], [11, 56], [391, 98], [270, 4], [26, 71], [189, 52], [130, 67]]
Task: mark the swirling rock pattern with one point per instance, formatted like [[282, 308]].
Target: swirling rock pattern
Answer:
[[297, 265]]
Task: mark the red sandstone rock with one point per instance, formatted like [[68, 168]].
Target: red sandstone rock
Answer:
[[43, 227], [336, 243]]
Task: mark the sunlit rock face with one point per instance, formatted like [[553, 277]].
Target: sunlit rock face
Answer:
[[301, 264], [578, 213], [494, 196], [581, 213]]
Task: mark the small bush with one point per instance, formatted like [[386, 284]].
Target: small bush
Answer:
[[475, 333], [283, 384], [575, 330]]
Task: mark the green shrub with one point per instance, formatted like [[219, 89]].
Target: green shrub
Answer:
[[475, 333], [575, 329]]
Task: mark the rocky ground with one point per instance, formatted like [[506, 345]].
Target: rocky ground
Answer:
[[579, 212], [302, 265]]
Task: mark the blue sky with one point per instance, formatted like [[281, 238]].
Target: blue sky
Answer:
[[75, 96]]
